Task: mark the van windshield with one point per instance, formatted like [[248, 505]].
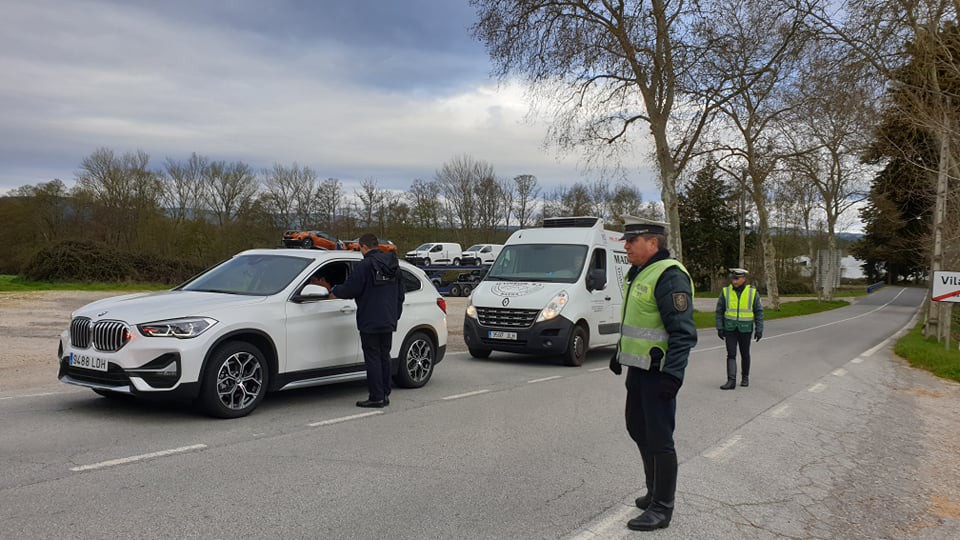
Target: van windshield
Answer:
[[475, 247], [556, 263], [424, 247]]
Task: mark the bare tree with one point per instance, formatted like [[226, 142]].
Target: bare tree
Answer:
[[425, 205], [458, 179], [507, 196], [124, 188], [877, 30], [625, 200], [489, 198], [371, 202], [183, 193], [599, 191], [527, 191], [231, 189], [611, 70], [285, 190], [327, 201], [577, 200], [757, 44]]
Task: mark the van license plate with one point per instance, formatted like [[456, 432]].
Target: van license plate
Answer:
[[88, 362], [497, 334]]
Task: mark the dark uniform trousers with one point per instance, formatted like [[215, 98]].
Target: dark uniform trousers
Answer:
[[376, 358], [734, 339], [650, 422]]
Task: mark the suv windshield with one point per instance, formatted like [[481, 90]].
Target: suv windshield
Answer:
[[539, 262], [424, 247], [254, 275]]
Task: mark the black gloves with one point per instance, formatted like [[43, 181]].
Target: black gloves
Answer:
[[720, 333], [669, 386], [758, 335], [615, 366]]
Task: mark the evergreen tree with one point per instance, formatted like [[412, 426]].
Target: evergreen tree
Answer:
[[709, 221]]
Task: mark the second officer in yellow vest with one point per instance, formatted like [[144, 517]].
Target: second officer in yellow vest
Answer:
[[656, 335], [739, 314]]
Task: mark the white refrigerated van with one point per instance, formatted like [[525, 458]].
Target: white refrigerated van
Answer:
[[481, 254], [433, 253], [554, 290]]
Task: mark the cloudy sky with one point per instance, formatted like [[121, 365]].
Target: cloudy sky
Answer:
[[355, 89]]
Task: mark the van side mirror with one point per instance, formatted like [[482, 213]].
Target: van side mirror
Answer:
[[596, 280]]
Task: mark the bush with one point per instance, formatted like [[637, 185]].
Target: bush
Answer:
[[89, 262], [795, 286]]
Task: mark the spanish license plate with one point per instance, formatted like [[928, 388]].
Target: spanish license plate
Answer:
[[86, 361], [497, 334]]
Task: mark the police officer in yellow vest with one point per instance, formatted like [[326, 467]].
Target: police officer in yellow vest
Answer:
[[739, 314], [656, 335]]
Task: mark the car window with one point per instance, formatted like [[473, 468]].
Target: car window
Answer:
[[410, 282], [255, 275], [485, 249], [424, 247], [474, 247], [436, 248]]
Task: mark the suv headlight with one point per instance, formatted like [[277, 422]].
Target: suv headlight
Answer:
[[554, 307], [188, 327], [471, 311]]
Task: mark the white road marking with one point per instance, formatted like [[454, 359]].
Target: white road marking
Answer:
[[768, 338], [36, 395], [468, 394], [722, 448], [141, 457], [817, 388], [344, 418], [857, 360], [782, 411], [598, 369], [545, 379], [611, 524], [839, 372]]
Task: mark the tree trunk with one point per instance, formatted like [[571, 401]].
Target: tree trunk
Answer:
[[668, 186], [932, 329], [769, 251]]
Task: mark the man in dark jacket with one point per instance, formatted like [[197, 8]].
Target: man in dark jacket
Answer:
[[376, 286]]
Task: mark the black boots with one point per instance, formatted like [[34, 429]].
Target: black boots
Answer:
[[648, 472], [745, 381], [730, 385], [660, 511]]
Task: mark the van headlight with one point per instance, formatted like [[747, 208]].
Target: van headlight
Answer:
[[188, 327], [471, 311], [554, 307]]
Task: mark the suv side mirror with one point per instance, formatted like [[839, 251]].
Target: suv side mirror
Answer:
[[311, 293], [596, 279]]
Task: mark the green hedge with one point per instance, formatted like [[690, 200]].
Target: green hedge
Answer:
[[92, 262]]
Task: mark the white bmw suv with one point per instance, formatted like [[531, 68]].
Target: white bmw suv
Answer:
[[249, 325]]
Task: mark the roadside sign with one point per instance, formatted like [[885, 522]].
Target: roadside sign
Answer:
[[946, 287]]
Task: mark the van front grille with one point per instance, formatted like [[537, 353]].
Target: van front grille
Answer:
[[507, 318]]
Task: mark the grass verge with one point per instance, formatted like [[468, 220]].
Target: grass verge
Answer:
[[705, 319], [10, 283], [926, 353]]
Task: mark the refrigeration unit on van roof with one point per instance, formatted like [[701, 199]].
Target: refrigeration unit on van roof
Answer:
[[582, 221]]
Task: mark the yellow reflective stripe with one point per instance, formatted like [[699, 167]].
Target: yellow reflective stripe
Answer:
[[648, 334]]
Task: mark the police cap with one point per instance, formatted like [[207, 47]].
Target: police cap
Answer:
[[635, 226], [738, 273]]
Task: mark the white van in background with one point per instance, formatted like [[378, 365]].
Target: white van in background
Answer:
[[434, 253], [481, 254], [554, 290]]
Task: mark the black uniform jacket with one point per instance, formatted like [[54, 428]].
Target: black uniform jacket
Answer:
[[376, 286]]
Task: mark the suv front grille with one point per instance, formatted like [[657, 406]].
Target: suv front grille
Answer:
[[507, 318], [103, 335]]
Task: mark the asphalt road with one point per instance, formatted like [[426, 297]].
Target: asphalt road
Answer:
[[821, 445]]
